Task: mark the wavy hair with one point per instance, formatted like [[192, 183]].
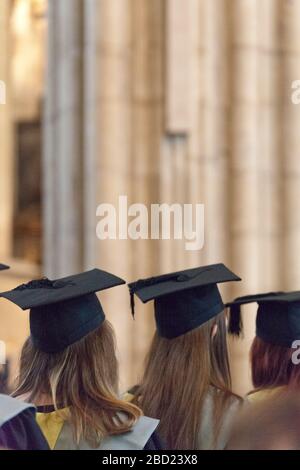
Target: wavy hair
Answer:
[[178, 375], [84, 379]]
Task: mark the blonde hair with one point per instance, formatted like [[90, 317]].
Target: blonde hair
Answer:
[[84, 379], [179, 373]]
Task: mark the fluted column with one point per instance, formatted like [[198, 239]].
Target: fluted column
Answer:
[[148, 22], [63, 150], [215, 123], [270, 142], [6, 154], [290, 17], [110, 138], [195, 155], [245, 164]]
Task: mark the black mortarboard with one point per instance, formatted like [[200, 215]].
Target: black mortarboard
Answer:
[[183, 300], [278, 316], [3, 267], [65, 310]]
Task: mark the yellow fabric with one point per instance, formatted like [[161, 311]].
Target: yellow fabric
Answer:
[[51, 425], [264, 394], [128, 397]]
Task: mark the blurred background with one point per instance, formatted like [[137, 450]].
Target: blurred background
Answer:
[[162, 101]]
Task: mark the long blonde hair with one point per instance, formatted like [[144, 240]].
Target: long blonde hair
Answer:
[[179, 373], [84, 379]]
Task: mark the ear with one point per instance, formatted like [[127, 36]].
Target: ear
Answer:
[[214, 331]]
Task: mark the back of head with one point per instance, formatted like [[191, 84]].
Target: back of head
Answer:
[[84, 378], [178, 375], [272, 365]]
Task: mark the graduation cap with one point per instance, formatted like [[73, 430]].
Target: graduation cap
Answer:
[[183, 300], [278, 316], [65, 310], [3, 267]]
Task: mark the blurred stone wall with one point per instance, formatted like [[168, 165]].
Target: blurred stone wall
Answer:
[[174, 101]]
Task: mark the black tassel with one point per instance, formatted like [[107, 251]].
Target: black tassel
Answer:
[[142, 283], [176, 277], [132, 303], [235, 326]]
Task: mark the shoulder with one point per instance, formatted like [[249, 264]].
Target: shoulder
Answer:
[[145, 429], [141, 436], [229, 398], [12, 407], [18, 428], [263, 394], [226, 405]]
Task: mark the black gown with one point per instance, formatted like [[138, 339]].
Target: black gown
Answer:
[[22, 432]]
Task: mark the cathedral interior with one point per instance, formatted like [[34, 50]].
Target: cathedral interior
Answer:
[[163, 101]]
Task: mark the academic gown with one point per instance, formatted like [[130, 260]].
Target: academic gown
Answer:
[[206, 440], [59, 436], [264, 394], [18, 427]]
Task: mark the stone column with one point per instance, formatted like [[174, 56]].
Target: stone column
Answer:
[[245, 162], [215, 150], [88, 147], [108, 141], [6, 151], [270, 142], [195, 160], [290, 19], [181, 20], [147, 118], [63, 135], [91, 83]]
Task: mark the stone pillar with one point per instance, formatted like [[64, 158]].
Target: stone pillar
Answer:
[[195, 160], [182, 21], [63, 135], [215, 106], [270, 142], [178, 22], [147, 116], [91, 83], [109, 143], [6, 151], [89, 148], [245, 162], [290, 18]]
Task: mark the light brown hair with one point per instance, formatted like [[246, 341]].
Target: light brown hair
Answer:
[[84, 378], [272, 365], [178, 375]]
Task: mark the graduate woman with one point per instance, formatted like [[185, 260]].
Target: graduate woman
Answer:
[[69, 370], [186, 382], [274, 356]]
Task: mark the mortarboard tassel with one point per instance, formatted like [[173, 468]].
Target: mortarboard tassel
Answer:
[[136, 286], [132, 303], [235, 326]]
